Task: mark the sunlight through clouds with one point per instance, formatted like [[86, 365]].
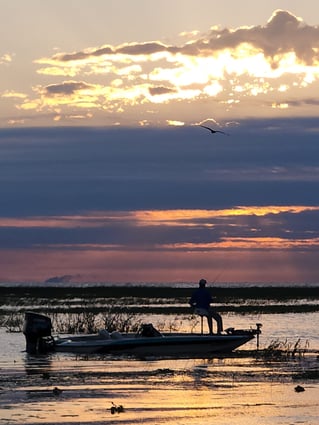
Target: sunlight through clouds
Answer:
[[229, 66], [105, 172], [266, 243], [5, 59], [176, 239], [170, 217]]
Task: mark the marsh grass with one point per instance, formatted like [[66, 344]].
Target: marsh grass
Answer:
[[89, 322], [71, 323], [83, 322], [112, 320], [12, 322], [307, 374], [120, 321], [284, 350]]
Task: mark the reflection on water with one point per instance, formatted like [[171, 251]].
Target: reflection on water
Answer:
[[70, 389], [188, 392], [220, 391], [153, 406]]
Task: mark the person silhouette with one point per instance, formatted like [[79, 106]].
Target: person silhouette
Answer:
[[200, 301]]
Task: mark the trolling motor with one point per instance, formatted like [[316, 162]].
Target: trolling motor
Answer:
[[256, 331], [37, 331]]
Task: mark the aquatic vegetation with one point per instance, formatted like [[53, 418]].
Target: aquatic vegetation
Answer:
[[284, 350], [307, 374], [71, 323], [155, 300], [120, 321], [12, 322], [88, 322]]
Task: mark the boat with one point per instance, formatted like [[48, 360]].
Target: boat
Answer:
[[148, 341]]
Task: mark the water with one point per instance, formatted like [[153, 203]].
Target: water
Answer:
[[241, 389], [221, 391]]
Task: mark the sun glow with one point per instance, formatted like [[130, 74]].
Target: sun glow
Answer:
[[236, 68], [164, 245], [255, 243], [150, 217], [181, 216], [134, 73]]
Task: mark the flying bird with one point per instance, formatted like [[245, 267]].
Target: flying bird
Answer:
[[214, 131]]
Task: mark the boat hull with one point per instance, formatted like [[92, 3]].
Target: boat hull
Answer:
[[170, 346], [147, 342]]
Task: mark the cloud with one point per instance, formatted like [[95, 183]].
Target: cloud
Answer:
[[157, 202], [294, 227], [302, 102], [156, 91], [60, 279], [78, 56], [267, 162], [175, 123], [6, 59], [13, 94], [142, 48], [283, 33], [67, 88], [245, 71]]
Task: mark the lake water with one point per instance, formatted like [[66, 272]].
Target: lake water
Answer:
[[242, 389]]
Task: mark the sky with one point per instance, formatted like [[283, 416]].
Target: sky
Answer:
[[105, 172]]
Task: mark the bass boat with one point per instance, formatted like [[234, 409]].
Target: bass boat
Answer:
[[148, 341]]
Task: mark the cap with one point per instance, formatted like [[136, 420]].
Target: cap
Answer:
[[202, 282]]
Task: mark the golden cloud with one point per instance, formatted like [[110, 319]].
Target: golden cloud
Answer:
[[228, 65]]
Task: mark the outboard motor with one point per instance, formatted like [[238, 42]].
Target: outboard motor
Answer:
[[37, 332]]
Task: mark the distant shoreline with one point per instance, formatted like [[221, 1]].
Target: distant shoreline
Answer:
[[156, 299], [66, 284], [220, 293]]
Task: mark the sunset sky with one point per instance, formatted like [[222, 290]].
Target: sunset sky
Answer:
[[105, 173]]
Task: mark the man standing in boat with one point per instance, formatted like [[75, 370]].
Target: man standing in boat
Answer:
[[200, 301]]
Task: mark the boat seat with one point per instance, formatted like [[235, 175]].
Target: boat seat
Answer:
[[103, 333], [116, 335], [148, 330], [201, 312]]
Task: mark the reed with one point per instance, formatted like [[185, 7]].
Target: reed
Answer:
[[284, 350], [12, 322]]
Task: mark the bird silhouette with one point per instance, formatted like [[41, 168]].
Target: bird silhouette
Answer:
[[213, 131]]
